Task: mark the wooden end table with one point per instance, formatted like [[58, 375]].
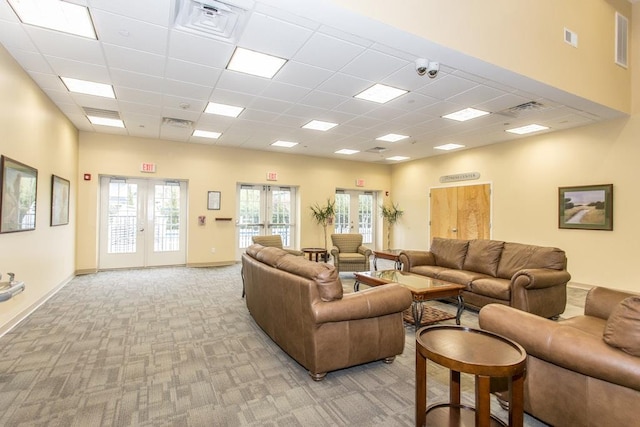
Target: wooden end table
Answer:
[[473, 351], [390, 254], [422, 289], [316, 251]]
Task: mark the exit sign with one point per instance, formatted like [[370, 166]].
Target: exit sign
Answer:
[[272, 176], [148, 168]]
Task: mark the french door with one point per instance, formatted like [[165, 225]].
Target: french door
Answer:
[[142, 223], [355, 213], [266, 210]]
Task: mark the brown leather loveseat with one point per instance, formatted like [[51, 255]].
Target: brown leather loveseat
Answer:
[[582, 371], [301, 306], [528, 277]]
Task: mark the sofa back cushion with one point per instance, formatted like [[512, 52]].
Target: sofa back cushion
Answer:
[[266, 254], [623, 326], [324, 275], [483, 256], [449, 253], [517, 256]]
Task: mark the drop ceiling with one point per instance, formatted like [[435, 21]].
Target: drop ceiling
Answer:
[[160, 71]]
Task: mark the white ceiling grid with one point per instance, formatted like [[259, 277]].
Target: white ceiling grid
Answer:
[[158, 71]]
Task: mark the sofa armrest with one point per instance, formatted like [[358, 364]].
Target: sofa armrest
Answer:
[[600, 302], [540, 278], [364, 251], [564, 346], [372, 302], [410, 259]]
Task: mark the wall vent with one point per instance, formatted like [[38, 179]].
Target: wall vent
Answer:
[[622, 40], [222, 20], [177, 123]]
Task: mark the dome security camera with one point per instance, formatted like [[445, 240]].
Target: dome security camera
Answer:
[[421, 66], [432, 69]]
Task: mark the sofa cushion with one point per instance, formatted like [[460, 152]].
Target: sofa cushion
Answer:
[[462, 277], [324, 275], [483, 256], [268, 255], [517, 256], [428, 270], [623, 326], [449, 253], [492, 287]]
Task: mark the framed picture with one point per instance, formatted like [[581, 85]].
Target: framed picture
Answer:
[[59, 201], [18, 187], [587, 207], [213, 201]]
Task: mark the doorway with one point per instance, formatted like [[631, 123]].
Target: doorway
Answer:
[[462, 212], [355, 213], [266, 210], [142, 223]]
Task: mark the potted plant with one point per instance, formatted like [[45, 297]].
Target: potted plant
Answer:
[[323, 215], [391, 215]]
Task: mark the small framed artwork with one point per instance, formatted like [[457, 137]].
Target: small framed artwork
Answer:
[[213, 201], [588, 207], [18, 188], [59, 201]]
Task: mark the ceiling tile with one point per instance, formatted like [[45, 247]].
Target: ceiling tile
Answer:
[[137, 81], [199, 50], [79, 70], [48, 81], [323, 99], [345, 85], [12, 36], [272, 105], [446, 86], [186, 90], [299, 74], [327, 52], [130, 33], [192, 73], [185, 104], [476, 95], [284, 92], [239, 82], [373, 65], [54, 43], [135, 96], [134, 60], [31, 61], [273, 36], [152, 11]]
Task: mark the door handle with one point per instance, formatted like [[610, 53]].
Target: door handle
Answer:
[[141, 229], [455, 230]]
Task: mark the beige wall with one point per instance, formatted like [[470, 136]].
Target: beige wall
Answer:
[[523, 36], [525, 176], [207, 168], [34, 132]]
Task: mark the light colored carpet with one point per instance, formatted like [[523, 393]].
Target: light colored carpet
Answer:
[[177, 347]]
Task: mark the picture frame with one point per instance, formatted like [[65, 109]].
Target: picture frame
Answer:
[[59, 201], [18, 193], [588, 207], [213, 201]]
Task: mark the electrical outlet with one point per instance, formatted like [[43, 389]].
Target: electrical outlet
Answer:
[[213, 250]]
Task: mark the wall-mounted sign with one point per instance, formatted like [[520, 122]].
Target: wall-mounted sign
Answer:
[[466, 176], [359, 182], [148, 167], [272, 176]]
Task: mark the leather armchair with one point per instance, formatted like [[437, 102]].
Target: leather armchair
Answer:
[[274, 241], [348, 252]]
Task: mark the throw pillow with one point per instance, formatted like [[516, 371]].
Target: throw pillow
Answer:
[[623, 326]]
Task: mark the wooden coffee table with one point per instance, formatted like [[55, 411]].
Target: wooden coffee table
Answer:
[[472, 351], [422, 289], [390, 254]]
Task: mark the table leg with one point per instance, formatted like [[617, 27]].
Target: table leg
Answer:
[[454, 387], [516, 401], [460, 308], [483, 401], [356, 286], [416, 309], [421, 389]]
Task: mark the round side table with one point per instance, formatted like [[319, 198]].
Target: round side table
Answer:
[[472, 351], [316, 251]]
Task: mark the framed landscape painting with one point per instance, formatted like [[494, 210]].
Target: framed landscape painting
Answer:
[[18, 196], [59, 201], [587, 207]]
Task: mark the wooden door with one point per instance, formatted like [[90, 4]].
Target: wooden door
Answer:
[[461, 212]]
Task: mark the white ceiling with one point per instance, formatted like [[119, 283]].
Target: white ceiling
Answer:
[[159, 71]]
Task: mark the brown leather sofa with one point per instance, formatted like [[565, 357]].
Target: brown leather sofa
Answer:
[[530, 278], [582, 371], [301, 306]]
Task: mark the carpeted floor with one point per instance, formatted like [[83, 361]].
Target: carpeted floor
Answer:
[[177, 347]]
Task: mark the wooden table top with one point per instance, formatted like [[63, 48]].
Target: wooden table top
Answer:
[[416, 283]]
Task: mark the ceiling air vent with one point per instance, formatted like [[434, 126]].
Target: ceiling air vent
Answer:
[[376, 150], [104, 114], [521, 109], [213, 19], [177, 123]]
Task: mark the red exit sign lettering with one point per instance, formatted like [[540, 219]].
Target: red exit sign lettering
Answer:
[[148, 167]]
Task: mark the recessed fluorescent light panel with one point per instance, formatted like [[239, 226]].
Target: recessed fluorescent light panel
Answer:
[[527, 129], [223, 109], [392, 137], [319, 125], [466, 114], [206, 134], [255, 63], [347, 151], [88, 88], [55, 15], [398, 158], [381, 93], [285, 144], [448, 147], [103, 121]]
